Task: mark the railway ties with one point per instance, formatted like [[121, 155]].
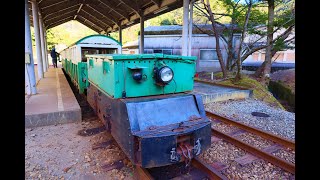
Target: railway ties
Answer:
[[237, 134], [198, 170]]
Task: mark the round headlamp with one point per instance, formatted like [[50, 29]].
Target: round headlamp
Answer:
[[165, 74]]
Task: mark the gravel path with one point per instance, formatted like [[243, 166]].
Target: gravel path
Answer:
[[254, 140], [221, 151], [288, 155], [280, 122], [226, 153], [259, 169], [58, 152]]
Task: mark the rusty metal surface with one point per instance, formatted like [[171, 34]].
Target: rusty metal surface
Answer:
[[246, 159], [142, 174], [262, 133], [210, 171], [102, 144], [114, 165], [257, 152], [92, 131]]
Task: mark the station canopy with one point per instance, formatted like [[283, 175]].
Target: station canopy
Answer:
[[102, 16]]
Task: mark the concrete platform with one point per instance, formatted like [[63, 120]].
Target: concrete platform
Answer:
[[215, 93], [54, 103]]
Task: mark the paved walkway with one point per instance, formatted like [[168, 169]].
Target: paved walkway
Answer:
[[214, 93], [54, 103]]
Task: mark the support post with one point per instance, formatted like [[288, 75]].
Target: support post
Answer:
[[190, 28], [30, 78], [37, 37], [44, 62], [184, 48], [120, 36], [259, 56], [46, 46], [284, 56], [141, 46]]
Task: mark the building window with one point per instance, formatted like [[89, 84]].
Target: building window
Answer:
[[157, 51], [167, 51], [163, 51], [236, 40], [148, 51], [208, 55]]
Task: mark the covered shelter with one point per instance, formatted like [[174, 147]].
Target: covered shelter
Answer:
[[102, 16]]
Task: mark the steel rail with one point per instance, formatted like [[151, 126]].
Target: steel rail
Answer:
[[280, 140], [255, 151], [142, 173], [210, 171]]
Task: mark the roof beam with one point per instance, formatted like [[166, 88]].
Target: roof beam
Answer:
[[78, 11], [131, 5], [113, 7], [157, 2], [61, 15], [54, 4], [101, 12], [67, 5], [59, 22], [80, 19], [60, 11], [88, 16]]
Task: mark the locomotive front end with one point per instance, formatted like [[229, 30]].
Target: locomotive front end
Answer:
[[168, 129], [145, 101]]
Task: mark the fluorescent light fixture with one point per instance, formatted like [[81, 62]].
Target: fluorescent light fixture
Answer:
[[161, 9], [129, 23]]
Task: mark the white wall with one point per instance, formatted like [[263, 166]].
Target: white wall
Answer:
[[199, 41]]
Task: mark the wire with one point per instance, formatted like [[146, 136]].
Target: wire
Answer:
[[175, 86]]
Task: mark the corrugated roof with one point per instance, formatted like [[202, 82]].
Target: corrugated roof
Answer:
[[102, 16], [177, 29]]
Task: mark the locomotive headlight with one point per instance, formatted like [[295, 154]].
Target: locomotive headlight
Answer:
[[165, 74]]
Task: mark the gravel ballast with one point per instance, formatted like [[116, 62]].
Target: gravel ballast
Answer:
[[280, 122]]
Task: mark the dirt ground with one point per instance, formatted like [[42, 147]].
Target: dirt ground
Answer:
[[59, 152]]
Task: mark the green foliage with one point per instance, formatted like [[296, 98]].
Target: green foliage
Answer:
[[279, 45], [260, 92], [168, 22], [67, 33]]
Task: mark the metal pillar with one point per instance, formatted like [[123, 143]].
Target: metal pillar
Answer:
[[190, 27], [44, 63], [184, 48], [30, 77], [37, 37], [141, 46], [46, 46], [120, 34]]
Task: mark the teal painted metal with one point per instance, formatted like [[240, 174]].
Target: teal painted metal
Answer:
[[113, 73], [78, 73], [94, 36], [82, 76]]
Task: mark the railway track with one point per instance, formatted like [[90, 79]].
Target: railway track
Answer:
[[279, 143], [198, 168]]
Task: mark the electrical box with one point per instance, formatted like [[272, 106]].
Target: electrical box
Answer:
[[27, 58]]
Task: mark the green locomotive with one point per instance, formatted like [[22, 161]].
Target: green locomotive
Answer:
[[146, 103]]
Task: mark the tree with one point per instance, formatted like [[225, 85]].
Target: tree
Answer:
[[272, 46], [233, 10], [244, 29]]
